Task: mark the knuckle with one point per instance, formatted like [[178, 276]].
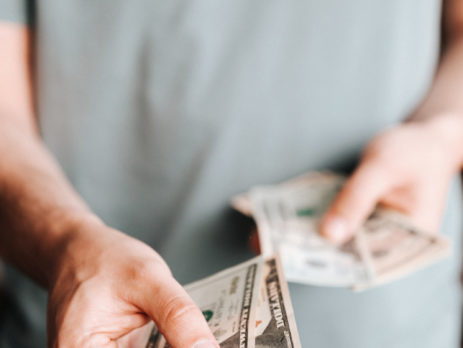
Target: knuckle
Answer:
[[149, 268], [379, 158]]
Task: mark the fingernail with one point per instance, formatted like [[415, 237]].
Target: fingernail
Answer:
[[204, 344], [336, 229]]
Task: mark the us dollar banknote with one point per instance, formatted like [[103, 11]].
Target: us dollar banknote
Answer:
[[244, 307], [393, 247], [275, 321], [288, 216]]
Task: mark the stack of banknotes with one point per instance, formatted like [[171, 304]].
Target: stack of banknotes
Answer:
[[246, 306], [385, 248]]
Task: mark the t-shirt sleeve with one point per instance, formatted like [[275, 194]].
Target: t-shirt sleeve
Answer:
[[20, 11]]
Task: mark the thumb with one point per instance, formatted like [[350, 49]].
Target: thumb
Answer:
[[356, 200], [177, 317]]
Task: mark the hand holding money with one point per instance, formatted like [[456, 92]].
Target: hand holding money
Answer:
[[288, 216], [407, 168], [110, 285]]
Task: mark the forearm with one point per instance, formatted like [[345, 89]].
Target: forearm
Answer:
[[442, 108], [39, 211], [445, 95]]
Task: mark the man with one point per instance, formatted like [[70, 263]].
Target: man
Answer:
[[149, 115]]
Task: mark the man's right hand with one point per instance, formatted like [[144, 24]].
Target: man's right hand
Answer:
[[108, 284]]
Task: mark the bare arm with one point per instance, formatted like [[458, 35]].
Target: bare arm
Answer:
[[102, 284], [37, 205], [445, 98]]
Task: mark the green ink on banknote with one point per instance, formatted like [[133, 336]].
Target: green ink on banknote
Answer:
[[208, 314], [306, 212]]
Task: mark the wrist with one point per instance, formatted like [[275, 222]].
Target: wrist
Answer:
[[446, 131], [74, 244]]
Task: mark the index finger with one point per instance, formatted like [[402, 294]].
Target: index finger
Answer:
[[355, 201]]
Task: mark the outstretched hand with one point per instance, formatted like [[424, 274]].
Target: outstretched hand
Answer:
[[109, 286]]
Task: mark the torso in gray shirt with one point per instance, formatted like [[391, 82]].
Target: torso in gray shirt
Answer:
[[160, 111]]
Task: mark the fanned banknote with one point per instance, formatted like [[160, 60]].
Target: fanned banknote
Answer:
[[287, 215], [246, 306]]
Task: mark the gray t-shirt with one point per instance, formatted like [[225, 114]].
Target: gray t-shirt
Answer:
[[159, 111]]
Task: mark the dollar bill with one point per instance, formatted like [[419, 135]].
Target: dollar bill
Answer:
[[288, 216], [394, 248], [243, 203], [275, 321], [245, 306]]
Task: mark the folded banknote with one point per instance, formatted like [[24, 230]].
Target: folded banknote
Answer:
[[385, 248]]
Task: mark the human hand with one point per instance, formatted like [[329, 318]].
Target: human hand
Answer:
[[108, 286], [407, 168]]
